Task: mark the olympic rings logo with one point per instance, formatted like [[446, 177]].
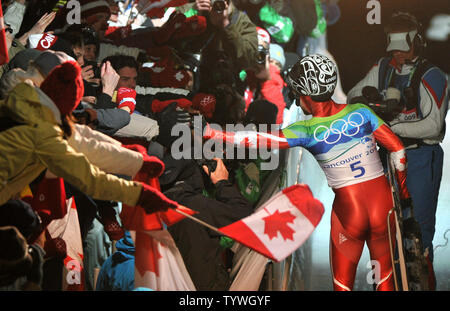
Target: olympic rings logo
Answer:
[[339, 127]]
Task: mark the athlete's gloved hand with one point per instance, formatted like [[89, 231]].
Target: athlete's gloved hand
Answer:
[[153, 200], [399, 162]]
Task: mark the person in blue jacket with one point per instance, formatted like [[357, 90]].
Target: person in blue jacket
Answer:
[[117, 272]]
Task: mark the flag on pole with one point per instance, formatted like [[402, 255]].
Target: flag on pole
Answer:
[[281, 225], [155, 8], [159, 266], [4, 57], [158, 262], [68, 228]]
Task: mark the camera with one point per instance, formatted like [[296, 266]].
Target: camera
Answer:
[[262, 54], [218, 5], [210, 164], [95, 68], [386, 109]]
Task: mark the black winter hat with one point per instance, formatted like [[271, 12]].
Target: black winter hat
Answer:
[[261, 112], [19, 214]]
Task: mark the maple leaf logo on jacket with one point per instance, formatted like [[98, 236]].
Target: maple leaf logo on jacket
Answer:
[[278, 222]]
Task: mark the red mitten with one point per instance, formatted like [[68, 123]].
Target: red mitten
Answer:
[[158, 106], [153, 200], [164, 33], [126, 98], [112, 228], [54, 247], [192, 26], [205, 103], [152, 167]]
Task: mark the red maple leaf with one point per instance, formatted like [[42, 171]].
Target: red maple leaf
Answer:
[[277, 222]]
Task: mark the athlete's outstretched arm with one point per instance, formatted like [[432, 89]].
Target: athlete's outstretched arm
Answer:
[[249, 139]]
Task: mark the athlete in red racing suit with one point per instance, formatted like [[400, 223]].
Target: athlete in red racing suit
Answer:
[[343, 140]]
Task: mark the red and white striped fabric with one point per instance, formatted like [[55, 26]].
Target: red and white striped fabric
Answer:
[[281, 225], [4, 57], [155, 8]]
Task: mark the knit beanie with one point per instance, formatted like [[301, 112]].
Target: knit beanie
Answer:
[[49, 59], [64, 86], [91, 7], [277, 53], [263, 35]]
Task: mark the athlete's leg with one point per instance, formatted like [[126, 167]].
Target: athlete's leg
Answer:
[[378, 239], [349, 224]]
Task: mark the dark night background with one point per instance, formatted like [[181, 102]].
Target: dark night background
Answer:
[[356, 45]]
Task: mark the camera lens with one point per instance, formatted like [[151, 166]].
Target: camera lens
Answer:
[[261, 56]]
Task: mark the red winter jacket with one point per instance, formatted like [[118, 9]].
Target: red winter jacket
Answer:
[[272, 90]]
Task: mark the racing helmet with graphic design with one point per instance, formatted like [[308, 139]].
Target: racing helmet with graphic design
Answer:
[[314, 75]]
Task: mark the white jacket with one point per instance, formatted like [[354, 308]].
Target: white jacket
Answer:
[[105, 152]]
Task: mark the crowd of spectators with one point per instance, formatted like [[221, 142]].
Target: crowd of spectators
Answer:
[[140, 73]]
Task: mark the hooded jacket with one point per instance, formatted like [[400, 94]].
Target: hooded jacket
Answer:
[[117, 271], [36, 142]]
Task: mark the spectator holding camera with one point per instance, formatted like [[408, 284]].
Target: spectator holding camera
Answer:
[[420, 119], [229, 30], [264, 80]]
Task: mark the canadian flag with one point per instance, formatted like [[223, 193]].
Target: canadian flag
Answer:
[[281, 225], [68, 228], [158, 262], [155, 8], [4, 57]]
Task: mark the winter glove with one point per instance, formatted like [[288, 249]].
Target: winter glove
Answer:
[[158, 105], [109, 221], [192, 26], [152, 167], [126, 98], [205, 103], [167, 119], [56, 247], [153, 200], [164, 33]]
